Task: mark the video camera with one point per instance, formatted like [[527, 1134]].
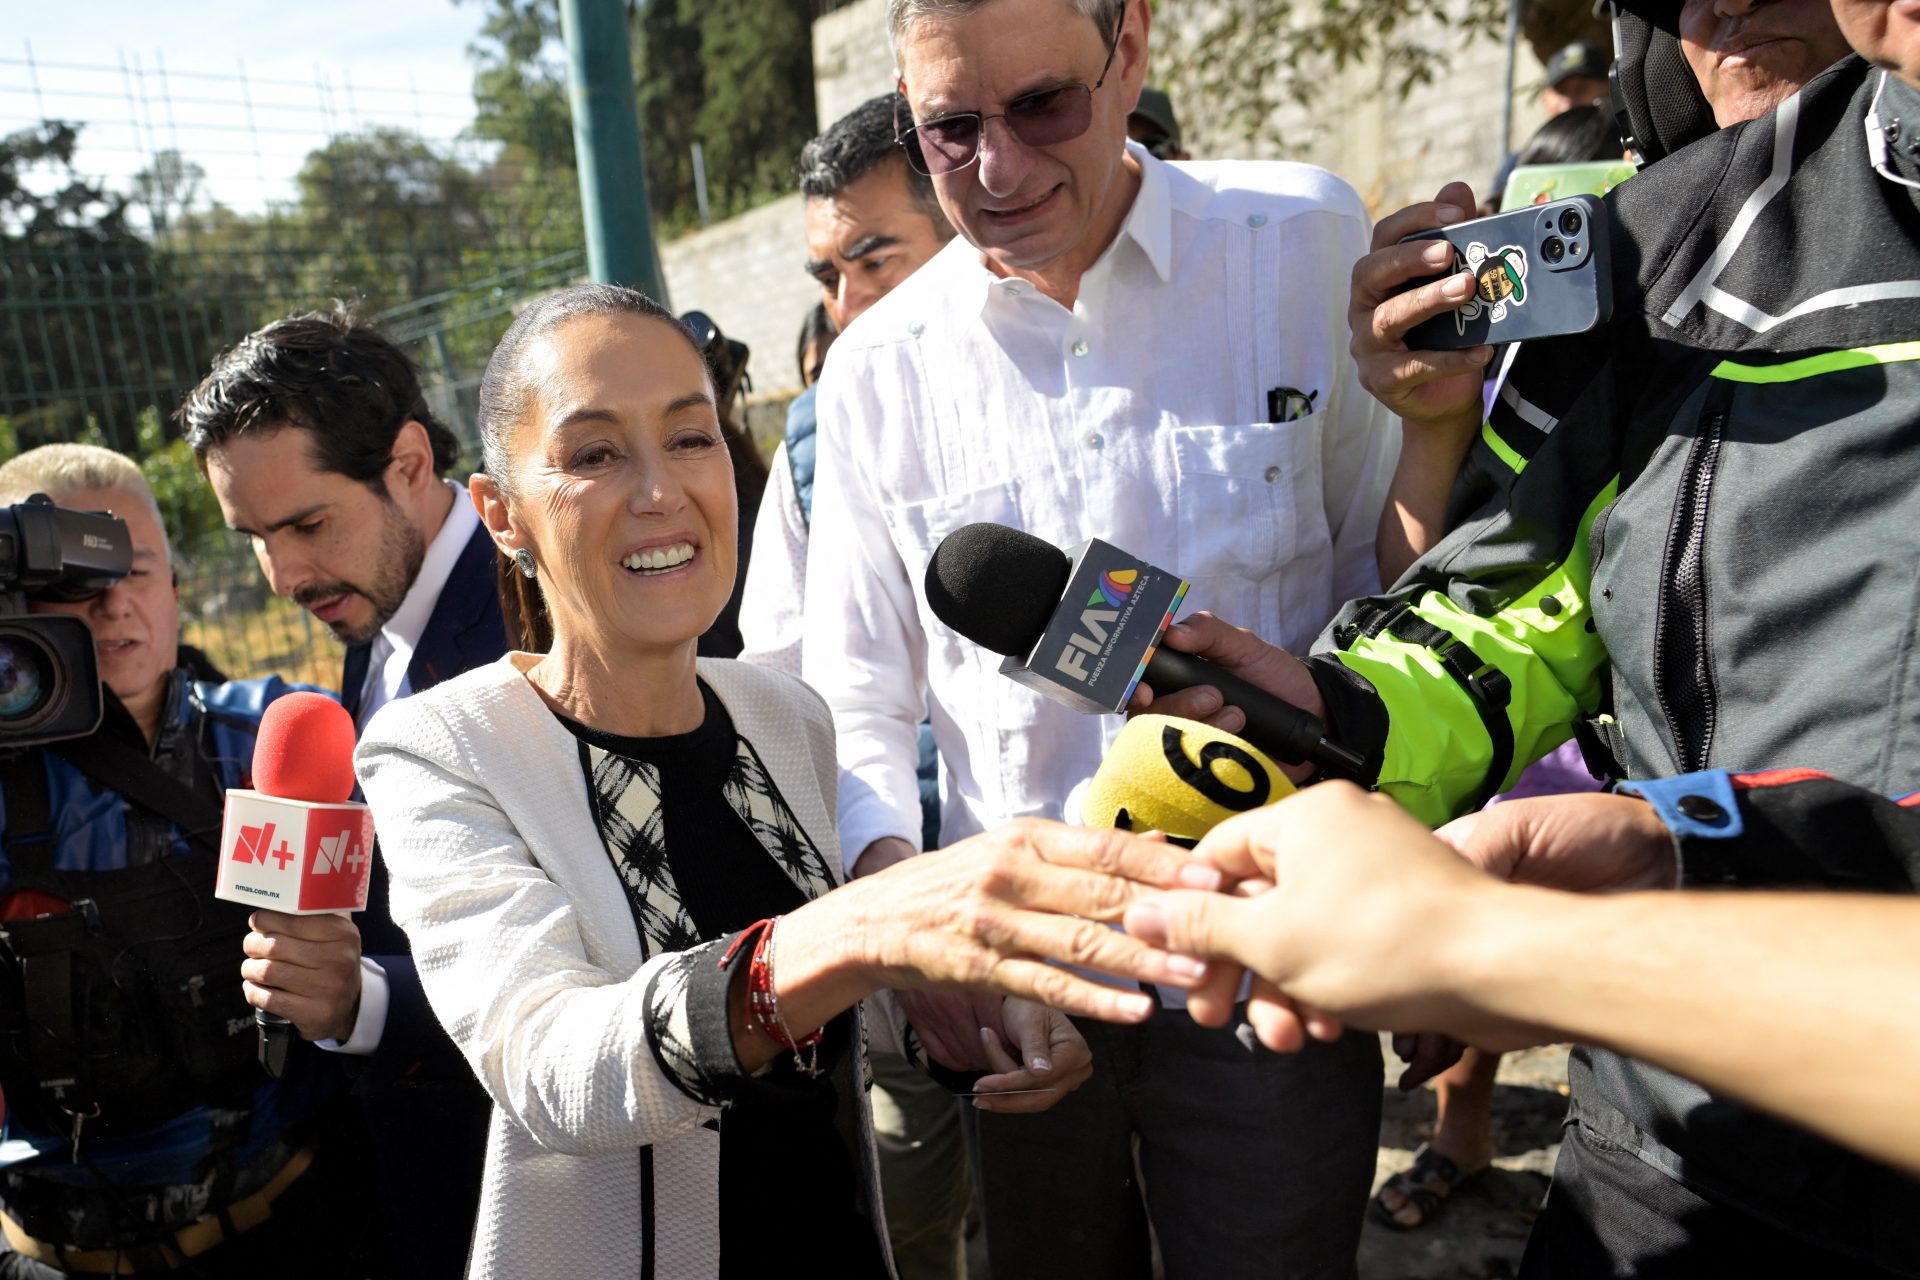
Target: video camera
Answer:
[[726, 357], [49, 676]]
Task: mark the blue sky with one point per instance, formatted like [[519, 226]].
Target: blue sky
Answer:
[[153, 74]]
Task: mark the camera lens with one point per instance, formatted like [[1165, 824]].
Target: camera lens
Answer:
[[1553, 248], [26, 678], [1571, 222]]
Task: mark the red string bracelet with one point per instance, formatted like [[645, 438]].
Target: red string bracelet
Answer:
[[762, 1002]]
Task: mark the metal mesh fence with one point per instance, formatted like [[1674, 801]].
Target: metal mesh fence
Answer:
[[152, 216]]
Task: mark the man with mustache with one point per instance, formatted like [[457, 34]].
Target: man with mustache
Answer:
[[1117, 346], [323, 451], [1750, 55]]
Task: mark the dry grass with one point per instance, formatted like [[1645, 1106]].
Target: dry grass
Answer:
[[280, 639]]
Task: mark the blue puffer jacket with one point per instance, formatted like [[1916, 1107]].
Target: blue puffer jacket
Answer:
[[96, 829], [802, 422]]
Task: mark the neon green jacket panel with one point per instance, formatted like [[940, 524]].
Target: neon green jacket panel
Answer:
[[1543, 642]]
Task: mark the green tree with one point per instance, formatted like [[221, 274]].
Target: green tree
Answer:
[[734, 75], [66, 211], [168, 189], [758, 109], [192, 512], [670, 80], [520, 102], [91, 330], [386, 218], [1247, 58]]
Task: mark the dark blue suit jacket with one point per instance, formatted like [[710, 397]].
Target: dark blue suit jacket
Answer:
[[426, 1112]]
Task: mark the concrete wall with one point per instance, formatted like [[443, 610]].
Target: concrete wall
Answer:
[[746, 273], [851, 61]]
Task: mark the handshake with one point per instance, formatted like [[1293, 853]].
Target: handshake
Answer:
[[1520, 924], [1343, 910]]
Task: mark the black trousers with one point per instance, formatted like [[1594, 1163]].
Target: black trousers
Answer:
[[1249, 1164], [1610, 1215]]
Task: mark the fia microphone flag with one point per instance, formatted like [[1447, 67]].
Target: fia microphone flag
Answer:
[[1098, 642], [296, 844], [1085, 630], [1181, 777]]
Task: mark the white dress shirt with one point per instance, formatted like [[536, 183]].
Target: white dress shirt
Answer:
[[770, 603], [393, 648], [387, 665], [1140, 417]]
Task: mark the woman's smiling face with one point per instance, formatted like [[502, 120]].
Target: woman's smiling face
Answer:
[[622, 485]]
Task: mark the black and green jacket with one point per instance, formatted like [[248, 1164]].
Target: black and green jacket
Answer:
[[1699, 526]]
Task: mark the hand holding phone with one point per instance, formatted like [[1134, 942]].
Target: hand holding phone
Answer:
[[1539, 272]]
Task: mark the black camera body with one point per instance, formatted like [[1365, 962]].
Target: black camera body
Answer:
[[49, 676]]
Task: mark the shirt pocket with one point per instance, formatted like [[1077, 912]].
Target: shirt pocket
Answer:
[[919, 527], [1244, 493]]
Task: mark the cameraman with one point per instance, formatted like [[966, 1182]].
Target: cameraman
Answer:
[[156, 1143]]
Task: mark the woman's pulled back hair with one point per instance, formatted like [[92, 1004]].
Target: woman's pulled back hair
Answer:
[[506, 393]]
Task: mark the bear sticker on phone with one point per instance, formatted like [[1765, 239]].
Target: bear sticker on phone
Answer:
[[1538, 272], [1501, 282]]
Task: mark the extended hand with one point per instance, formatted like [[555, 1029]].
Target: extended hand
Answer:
[[306, 969], [1368, 922], [1588, 843], [1426, 388], [989, 913]]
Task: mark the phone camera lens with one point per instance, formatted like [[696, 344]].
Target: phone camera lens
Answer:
[[1553, 249], [1571, 222]]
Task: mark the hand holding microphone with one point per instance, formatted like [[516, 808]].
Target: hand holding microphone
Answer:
[[1214, 648], [1086, 631], [1182, 779], [296, 845]]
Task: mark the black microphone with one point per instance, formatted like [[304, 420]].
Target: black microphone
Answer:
[[1084, 628]]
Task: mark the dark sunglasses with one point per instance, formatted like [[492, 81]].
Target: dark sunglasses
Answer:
[[1042, 119]]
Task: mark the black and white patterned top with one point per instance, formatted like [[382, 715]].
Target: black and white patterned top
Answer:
[[695, 893]]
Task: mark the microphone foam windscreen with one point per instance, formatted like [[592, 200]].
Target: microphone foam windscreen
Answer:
[[1181, 777], [996, 586], [305, 750]]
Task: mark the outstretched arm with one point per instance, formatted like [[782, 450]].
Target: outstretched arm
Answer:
[[1798, 1003]]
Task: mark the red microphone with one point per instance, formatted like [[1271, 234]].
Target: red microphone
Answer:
[[304, 750], [294, 841]]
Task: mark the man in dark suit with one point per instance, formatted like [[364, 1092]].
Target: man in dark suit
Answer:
[[323, 451]]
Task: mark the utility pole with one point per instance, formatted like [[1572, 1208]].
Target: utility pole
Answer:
[[606, 147], [1513, 72]]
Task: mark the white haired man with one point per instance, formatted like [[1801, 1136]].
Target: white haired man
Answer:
[[1152, 354]]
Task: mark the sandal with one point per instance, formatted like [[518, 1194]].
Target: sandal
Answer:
[[1426, 1185]]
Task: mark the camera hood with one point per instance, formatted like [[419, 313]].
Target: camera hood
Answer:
[[51, 553]]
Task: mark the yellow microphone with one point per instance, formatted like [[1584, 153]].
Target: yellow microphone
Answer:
[[1181, 777]]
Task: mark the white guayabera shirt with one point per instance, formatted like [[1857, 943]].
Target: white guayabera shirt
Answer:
[[1140, 416]]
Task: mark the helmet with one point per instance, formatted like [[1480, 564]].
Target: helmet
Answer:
[[1659, 103]]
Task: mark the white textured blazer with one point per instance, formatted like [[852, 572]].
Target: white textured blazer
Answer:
[[602, 1156]]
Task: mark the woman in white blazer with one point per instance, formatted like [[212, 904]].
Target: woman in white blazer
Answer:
[[618, 867]]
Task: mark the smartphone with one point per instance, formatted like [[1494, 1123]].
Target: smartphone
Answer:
[[1542, 271]]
